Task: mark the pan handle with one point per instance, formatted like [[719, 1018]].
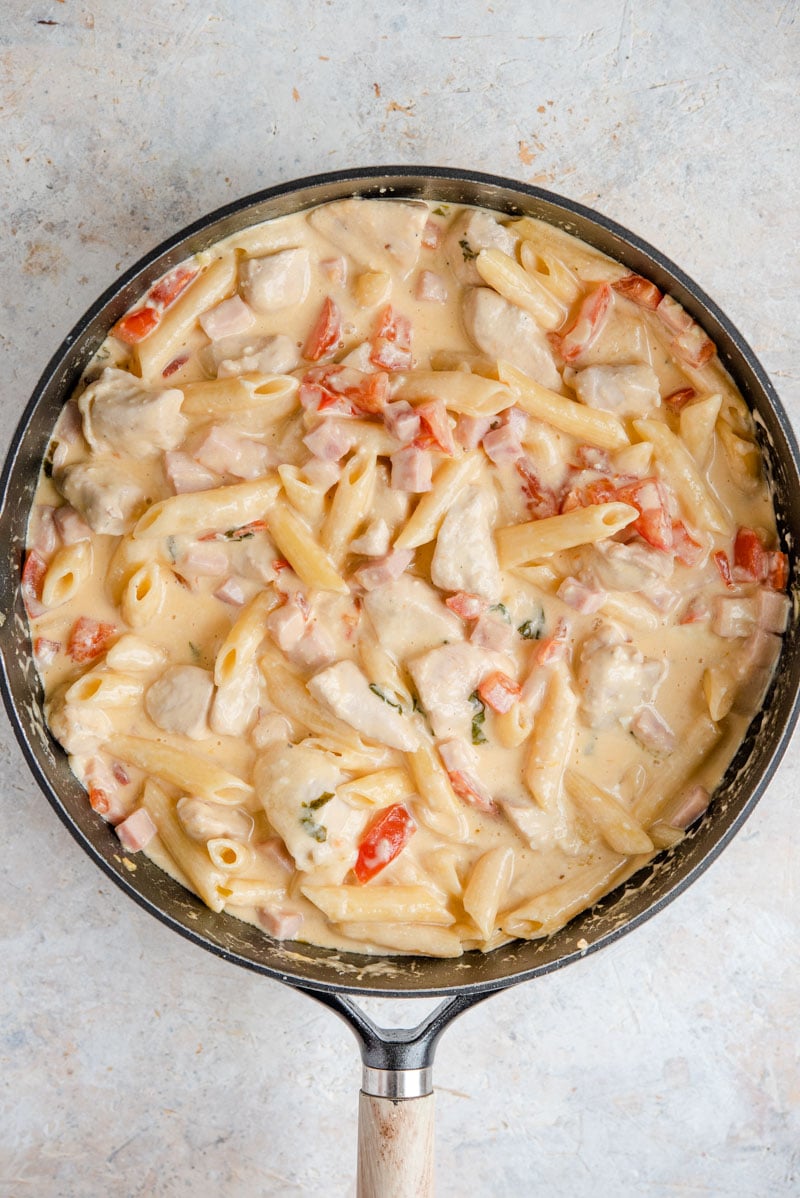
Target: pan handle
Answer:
[[396, 1103]]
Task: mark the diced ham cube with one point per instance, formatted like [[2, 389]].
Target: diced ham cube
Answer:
[[697, 610], [733, 617], [45, 651], [71, 525], [401, 421], [431, 234], [690, 807], [386, 569], [435, 430], [228, 319], [492, 632], [205, 558], [469, 607], [374, 540], [227, 451], [104, 789], [582, 598], [281, 922], [185, 474], [136, 832], [641, 291], [286, 625], [43, 531], [694, 346], [461, 762], [470, 430], [233, 591], [499, 692], [315, 649], [653, 731], [330, 440], [430, 288], [772, 610], [334, 270], [276, 281], [502, 444], [275, 850], [322, 474], [412, 470]]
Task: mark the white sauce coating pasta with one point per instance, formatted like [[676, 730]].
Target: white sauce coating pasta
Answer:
[[405, 577]]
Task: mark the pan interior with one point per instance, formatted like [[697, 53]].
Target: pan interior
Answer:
[[325, 969]]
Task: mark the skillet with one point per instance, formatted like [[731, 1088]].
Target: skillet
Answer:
[[396, 1101]]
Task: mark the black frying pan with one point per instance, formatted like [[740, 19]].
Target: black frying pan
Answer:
[[395, 1132]]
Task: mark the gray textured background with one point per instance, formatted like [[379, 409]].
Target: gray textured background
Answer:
[[132, 1063]]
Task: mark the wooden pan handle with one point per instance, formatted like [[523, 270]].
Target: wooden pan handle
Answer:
[[395, 1147]]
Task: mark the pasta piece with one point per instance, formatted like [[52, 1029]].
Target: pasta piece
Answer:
[[514, 726], [351, 505], [521, 544], [487, 886], [205, 878], [470, 394], [424, 940], [546, 913], [378, 789], [306, 557], [514, 283], [184, 768], [682, 471], [68, 570], [550, 272], [144, 594], [674, 772], [593, 426], [274, 395], [105, 688], [306, 497], [238, 651], [128, 557], [230, 856], [450, 479], [221, 509], [438, 809], [697, 422], [589, 264], [619, 829], [551, 742], [379, 904], [214, 284], [743, 457]]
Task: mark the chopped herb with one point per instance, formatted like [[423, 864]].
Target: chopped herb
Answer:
[[416, 705], [376, 690], [478, 719], [172, 548], [316, 831], [324, 798], [440, 211], [195, 652], [531, 629], [467, 250], [501, 610], [239, 534]]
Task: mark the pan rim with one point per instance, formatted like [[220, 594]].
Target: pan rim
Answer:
[[393, 178]]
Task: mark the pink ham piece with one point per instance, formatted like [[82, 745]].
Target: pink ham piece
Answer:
[[275, 850], [322, 474], [401, 421], [280, 922], [232, 591], [385, 569], [430, 288], [460, 760], [733, 617], [412, 470], [470, 430], [772, 610], [136, 832], [44, 529], [690, 807], [184, 474], [584, 599], [653, 731], [71, 525], [329, 441], [205, 558], [431, 234], [286, 625], [334, 270], [502, 444], [227, 451], [45, 651], [492, 632], [228, 319]]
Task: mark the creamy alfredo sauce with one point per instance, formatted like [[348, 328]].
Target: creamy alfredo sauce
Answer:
[[403, 578]]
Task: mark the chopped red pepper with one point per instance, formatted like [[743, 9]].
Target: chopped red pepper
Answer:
[[724, 567], [649, 498], [89, 638], [174, 365], [168, 289], [391, 341], [778, 570], [467, 606], [679, 399], [541, 499], [385, 839], [33, 573], [435, 430], [586, 325], [325, 333], [640, 290], [467, 790], [136, 325], [749, 555], [687, 550], [499, 692]]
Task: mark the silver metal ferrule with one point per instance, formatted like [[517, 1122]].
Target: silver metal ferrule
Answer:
[[397, 1083]]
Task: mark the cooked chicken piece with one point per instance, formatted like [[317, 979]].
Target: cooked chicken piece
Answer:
[[121, 416], [446, 677], [268, 355], [231, 318], [624, 390], [180, 700], [614, 678], [296, 785], [107, 498], [631, 567], [471, 232], [378, 234], [347, 692], [409, 617], [203, 819], [465, 558], [502, 330], [279, 280]]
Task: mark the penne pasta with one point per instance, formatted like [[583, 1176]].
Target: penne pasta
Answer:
[[700, 505], [304, 554], [239, 648], [487, 887], [593, 426], [351, 504], [449, 480], [273, 395], [379, 904], [469, 394], [184, 768], [222, 509], [143, 595], [206, 879], [156, 351], [621, 832], [69, 569], [522, 544], [514, 283], [551, 743]]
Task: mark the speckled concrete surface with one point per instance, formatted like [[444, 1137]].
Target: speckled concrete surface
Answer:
[[132, 1063]]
